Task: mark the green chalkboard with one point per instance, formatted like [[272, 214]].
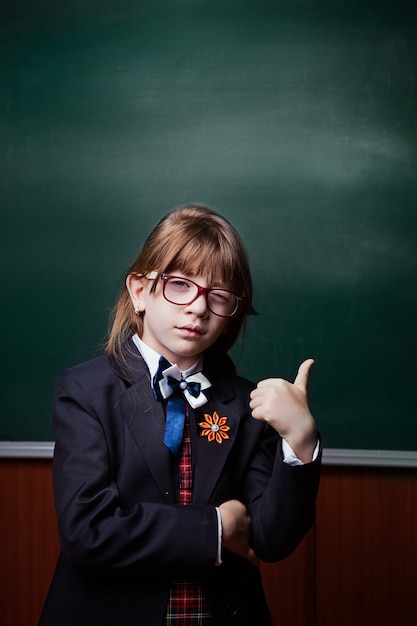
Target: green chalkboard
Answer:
[[296, 120]]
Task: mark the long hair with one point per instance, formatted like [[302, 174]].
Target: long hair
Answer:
[[192, 239]]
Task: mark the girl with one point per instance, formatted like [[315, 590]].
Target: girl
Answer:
[[173, 476]]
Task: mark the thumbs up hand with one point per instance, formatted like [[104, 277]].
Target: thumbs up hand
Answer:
[[284, 406]]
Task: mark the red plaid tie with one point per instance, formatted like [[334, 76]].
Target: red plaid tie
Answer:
[[187, 605]]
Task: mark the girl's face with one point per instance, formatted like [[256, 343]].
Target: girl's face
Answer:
[[180, 333]]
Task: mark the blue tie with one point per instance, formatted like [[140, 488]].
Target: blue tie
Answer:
[[174, 390]]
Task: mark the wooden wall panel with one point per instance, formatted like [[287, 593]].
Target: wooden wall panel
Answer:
[[366, 551], [29, 543]]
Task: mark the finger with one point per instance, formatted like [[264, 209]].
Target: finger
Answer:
[[252, 558], [267, 382], [258, 394], [254, 403], [301, 379], [257, 413]]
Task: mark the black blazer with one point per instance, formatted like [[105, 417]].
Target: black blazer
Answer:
[[123, 536]]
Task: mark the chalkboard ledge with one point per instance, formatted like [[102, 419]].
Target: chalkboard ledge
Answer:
[[331, 456], [27, 449], [375, 458]]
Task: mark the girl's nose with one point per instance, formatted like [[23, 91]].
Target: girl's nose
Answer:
[[198, 306]]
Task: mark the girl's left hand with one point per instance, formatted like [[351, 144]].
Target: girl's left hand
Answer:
[[284, 406]]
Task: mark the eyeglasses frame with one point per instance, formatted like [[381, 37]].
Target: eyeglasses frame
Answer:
[[200, 292]]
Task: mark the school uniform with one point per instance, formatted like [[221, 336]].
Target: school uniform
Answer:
[[124, 538]]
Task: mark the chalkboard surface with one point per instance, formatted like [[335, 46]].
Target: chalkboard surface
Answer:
[[296, 120]]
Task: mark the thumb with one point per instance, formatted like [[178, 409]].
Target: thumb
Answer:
[[303, 373]]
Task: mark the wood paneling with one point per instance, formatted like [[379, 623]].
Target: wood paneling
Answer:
[[29, 542], [366, 550], [355, 567]]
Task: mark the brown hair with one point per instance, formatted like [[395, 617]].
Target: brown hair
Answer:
[[192, 239]]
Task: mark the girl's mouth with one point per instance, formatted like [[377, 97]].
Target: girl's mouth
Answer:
[[191, 331]]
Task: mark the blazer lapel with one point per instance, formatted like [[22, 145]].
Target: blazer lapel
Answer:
[[145, 417], [210, 456]]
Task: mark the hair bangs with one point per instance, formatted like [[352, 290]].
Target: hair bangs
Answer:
[[198, 257]]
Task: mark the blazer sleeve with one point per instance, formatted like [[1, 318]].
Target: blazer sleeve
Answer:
[[285, 511], [96, 529], [280, 498]]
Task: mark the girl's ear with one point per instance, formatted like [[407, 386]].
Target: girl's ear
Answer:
[[135, 286]]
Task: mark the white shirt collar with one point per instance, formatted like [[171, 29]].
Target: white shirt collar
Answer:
[[151, 358]]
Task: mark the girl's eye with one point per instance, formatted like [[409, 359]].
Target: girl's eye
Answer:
[[179, 284], [222, 297]]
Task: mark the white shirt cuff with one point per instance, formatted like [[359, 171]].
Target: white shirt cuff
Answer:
[[291, 458], [219, 538]]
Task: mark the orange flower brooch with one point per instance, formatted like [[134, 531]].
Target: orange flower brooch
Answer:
[[214, 428]]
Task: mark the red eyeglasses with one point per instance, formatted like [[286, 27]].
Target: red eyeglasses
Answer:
[[183, 291]]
